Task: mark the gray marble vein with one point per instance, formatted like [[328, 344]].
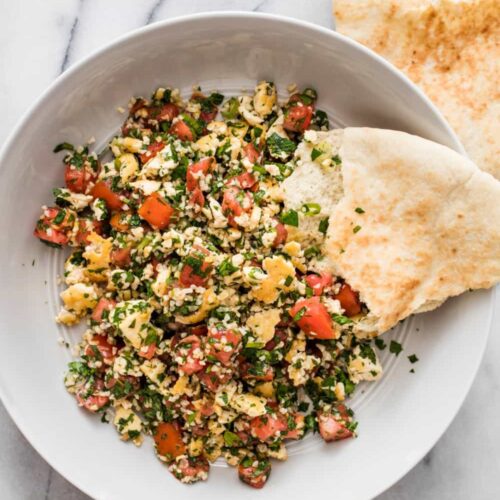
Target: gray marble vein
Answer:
[[152, 13], [71, 37], [38, 40]]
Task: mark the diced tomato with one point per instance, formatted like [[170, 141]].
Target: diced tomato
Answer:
[[235, 202], [246, 181], [212, 379], [120, 257], [153, 149], [199, 330], [154, 263], [167, 112], [318, 282], [209, 109], [102, 190], [168, 440], [189, 355], [78, 179], [281, 235], [55, 225], [93, 401], [248, 372], [156, 211], [124, 385], [230, 202], [99, 348], [223, 344], [300, 98], [196, 276], [250, 152], [349, 300], [119, 221], [104, 305], [255, 477], [313, 319], [208, 116], [298, 118], [197, 197], [268, 427], [85, 228], [298, 431], [195, 170], [182, 131], [149, 352], [190, 469], [138, 104], [189, 277], [333, 427]]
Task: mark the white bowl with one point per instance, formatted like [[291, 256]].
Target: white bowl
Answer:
[[401, 417]]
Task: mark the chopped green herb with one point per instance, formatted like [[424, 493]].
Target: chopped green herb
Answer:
[[226, 268], [290, 217], [395, 347], [341, 320], [323, 225], [64, 146], [280, 147], [413, 358], [315, 153], [359, 210], [356, 229], [300, 314], [231, 439]]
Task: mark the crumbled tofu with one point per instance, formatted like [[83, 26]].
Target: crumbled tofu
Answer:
[[278, 271], [79, 298], [154, 370], [263, 324], [181, 386], [98, 255], [265, 389], [249, 404], [210, 301], [301, 368], [363, 368], [128, 424], [132, 318]]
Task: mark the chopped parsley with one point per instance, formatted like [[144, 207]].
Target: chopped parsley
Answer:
[[413, 358], [280, 147], [290, 217], [323, 225], [395, 347]]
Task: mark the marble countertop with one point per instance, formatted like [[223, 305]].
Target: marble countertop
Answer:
[[39, 41]]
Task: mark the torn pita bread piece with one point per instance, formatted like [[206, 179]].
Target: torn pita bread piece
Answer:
[[411, 222], [451, 48]]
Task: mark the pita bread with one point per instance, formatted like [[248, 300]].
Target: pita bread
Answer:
[[451, 48], [429, 227]]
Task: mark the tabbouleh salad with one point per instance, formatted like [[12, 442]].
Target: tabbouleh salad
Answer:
[[209, 327]]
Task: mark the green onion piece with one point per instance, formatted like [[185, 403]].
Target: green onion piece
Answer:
[[64, 146], [341, 320], [310, 209]]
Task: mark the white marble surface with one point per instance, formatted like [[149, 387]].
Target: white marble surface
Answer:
[[41, 39]]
